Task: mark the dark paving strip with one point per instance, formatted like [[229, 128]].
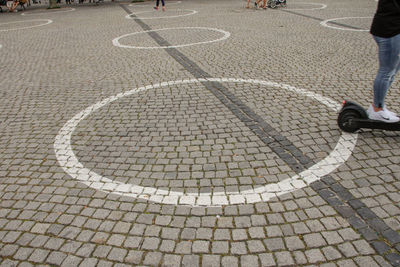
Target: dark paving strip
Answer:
[[315, 18], [278, 143], [366, 222]]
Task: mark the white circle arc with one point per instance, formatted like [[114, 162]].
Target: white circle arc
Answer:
[[47, 13], [321, 6], [192, 12], [75, 169], [47, 21], [325, 24], [116, 40]]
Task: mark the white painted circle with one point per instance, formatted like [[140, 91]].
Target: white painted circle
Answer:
[[116, 40], [167, 3], [325, 24], [47, 21], [76, 170], [191, 12], [320, 6], [47, 13]]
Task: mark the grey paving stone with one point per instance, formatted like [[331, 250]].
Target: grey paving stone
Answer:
[[72, 261], [300, 257], [56, 258], [23, 253], [184, 247], [39, 255], [267, 259], [314, 240], [134, 257], [222, 234], [255, 246], [294, 243], [152, 258], [284, 258], [238, 248], [117, 254], [314, 256], [204, 233], [190, 260], [8, 250], [167, 246], [347, 249], [211, 260], [274, 244], [171, 260], [150, 243], [229, 261], [363, 247], [200, 246], [239, 234], [331, 253]]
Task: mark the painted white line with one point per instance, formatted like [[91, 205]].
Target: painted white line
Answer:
[[47, 21], [71, 165], [116, 40], [167, 3], [191, 12], [47, 12], [325, 24], [320, 6]]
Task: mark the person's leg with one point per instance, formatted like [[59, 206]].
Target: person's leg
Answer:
[[389, 65], [248, 4], [265, 4], [163, 5], [157, 4]]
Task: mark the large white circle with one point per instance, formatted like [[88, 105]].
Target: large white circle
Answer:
[[325, 24], [321, 6], [76, 170], [47, 13], [47, 21], [167, 3], [192, 12], [116, 40]]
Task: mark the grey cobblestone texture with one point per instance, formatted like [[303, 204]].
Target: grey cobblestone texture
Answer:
[[182, 138]]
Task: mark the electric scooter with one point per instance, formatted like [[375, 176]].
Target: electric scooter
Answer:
[[353, 117]]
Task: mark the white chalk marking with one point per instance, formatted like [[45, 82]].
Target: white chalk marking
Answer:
[[47, 21], [320, 6], [116, 40], [71, 165], [47, 12], [325, 24], [191, 12]]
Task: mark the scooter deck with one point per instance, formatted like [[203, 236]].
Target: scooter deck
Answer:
[[373, 124]]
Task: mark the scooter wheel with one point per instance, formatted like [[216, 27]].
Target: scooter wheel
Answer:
[[346, 120]]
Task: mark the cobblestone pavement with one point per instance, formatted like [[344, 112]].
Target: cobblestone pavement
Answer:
[[204, 135]]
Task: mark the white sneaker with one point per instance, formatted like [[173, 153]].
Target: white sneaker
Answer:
[[382, 115], [391, 113]]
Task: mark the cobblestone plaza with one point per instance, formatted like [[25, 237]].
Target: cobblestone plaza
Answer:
[[204, 135]]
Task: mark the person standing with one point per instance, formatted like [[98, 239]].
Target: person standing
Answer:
[[256, 3], [158, 3], [385, 30]]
